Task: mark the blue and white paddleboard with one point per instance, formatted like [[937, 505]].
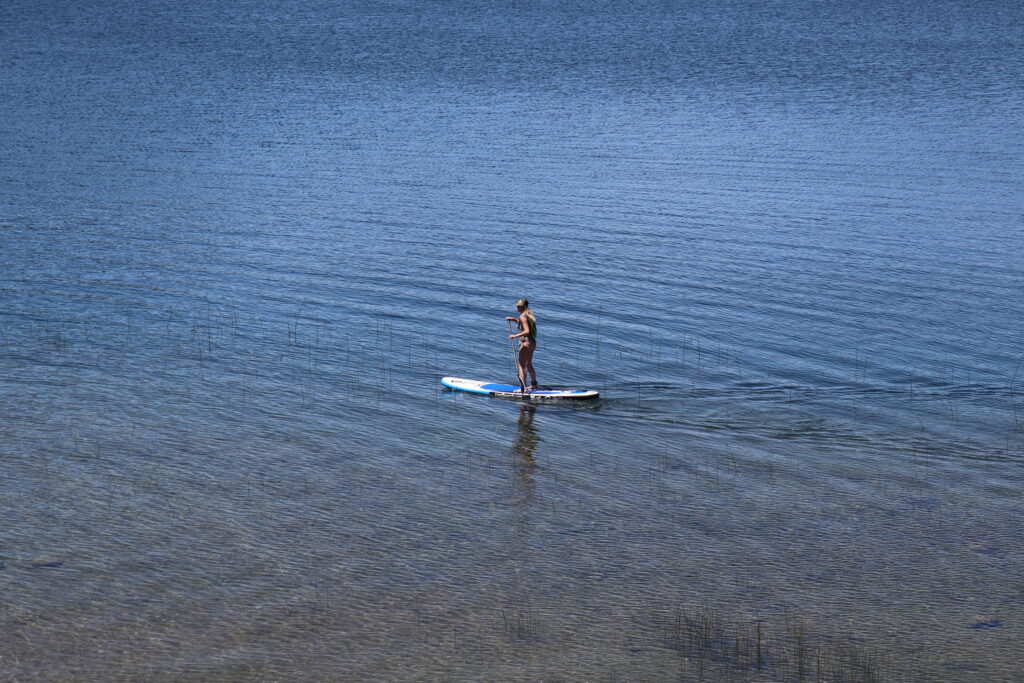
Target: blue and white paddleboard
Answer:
[[512, 390]]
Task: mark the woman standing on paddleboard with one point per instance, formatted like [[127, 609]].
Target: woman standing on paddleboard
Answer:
[[527, 337]]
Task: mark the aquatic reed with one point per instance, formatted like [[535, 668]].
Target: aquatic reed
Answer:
[[521, 623], [713, 647]]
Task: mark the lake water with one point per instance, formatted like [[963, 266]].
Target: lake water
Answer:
[[241, 242]]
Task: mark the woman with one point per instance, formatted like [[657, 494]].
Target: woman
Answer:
[[527, 343]]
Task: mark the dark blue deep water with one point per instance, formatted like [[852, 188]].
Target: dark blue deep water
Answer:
[[241, 242]]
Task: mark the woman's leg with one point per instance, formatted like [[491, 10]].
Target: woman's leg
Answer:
[[526, 364], [521, 366]]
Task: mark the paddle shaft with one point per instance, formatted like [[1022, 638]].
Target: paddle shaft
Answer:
[[515, 360]]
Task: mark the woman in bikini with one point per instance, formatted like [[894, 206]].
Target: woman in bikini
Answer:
[[527, 337]]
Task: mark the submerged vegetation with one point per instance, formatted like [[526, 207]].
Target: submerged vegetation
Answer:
[[713, 647]]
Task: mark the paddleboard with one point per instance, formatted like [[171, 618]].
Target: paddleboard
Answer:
[[512, 390]]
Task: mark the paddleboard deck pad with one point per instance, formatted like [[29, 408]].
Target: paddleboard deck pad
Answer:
[[512, 390]]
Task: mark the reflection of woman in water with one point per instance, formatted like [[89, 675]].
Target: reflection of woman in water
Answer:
[[526, 434], [523, 448], [527, 337]]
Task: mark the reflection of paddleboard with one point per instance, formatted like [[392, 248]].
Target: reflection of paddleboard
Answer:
[[512, 390]]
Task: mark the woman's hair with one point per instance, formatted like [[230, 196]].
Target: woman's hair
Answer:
[[526, 309]]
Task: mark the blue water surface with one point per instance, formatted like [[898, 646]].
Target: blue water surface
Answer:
[[242, 242]]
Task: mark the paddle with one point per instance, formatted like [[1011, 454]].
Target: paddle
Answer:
[[515, 363]]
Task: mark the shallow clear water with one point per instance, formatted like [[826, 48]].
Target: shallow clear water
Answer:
[[241, 244]]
